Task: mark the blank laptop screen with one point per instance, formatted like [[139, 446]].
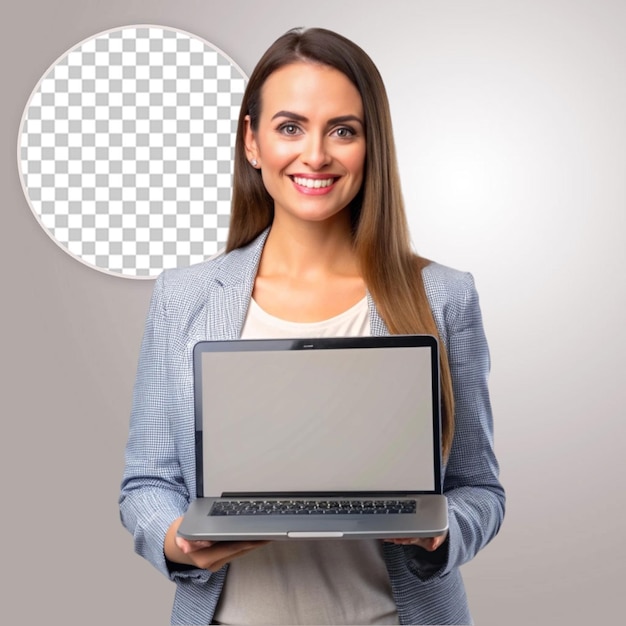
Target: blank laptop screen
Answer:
[[352, 419]]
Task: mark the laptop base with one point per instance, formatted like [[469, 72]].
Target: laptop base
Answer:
[[429, 520]]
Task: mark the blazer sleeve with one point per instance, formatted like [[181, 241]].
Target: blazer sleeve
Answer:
[[476, 499], [153, 491]]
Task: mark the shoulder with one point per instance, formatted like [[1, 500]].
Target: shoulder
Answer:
[[232, 269], [445, 285], [183, 285], [198, 273], [452, 296]]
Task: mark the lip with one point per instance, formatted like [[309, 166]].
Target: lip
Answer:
[[314, 191]]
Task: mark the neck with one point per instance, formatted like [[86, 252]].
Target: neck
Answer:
[[300, 249]]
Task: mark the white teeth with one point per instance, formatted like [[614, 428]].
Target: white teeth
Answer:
[[313, 183]]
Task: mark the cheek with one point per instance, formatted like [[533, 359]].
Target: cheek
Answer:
[[277, 155], [269, 181], [357, 165], [354, 160]]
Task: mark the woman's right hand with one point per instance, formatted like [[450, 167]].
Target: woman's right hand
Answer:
[[211, 555]]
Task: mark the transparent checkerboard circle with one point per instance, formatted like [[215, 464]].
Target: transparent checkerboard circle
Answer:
[[126, 149]]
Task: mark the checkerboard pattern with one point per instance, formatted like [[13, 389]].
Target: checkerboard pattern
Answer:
[[126, 150]]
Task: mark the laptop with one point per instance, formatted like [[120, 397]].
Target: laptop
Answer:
[[317, 439]]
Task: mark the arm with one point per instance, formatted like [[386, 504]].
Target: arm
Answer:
[[153, 492], [475, 495]]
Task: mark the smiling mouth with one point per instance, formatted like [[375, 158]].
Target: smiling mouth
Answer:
[[314, 183]]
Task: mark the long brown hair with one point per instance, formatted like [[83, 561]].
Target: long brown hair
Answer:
[[391, 270]]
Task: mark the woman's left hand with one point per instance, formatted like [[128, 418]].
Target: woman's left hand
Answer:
[[428, 543]]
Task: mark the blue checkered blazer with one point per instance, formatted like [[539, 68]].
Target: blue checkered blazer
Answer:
[[209, 301]]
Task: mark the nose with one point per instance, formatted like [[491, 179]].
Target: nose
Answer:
[[315, 152]]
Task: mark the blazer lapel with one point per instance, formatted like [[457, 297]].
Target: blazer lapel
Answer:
[[377, 326], [231, 290]]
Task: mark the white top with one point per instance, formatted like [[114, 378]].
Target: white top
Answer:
[[308, 582], [355, 322]]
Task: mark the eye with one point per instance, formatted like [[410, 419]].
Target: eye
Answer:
[[345, 132], [289, 129]]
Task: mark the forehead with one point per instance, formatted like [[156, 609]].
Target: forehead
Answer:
[[308, 86]]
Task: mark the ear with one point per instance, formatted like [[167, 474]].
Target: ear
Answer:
[[252, 150]]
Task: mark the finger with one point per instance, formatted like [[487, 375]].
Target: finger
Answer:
[[430, 545], [427, 543], [187, 546], [222, 552]]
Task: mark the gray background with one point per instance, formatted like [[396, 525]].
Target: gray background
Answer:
[[509, 118]]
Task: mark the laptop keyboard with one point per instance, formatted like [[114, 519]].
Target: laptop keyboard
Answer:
[[312, 507]]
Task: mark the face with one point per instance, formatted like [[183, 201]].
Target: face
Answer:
[[310, 141]]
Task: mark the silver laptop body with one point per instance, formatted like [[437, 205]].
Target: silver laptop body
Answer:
[[317, 438]]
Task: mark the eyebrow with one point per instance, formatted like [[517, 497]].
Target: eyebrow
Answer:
[[342, 119]]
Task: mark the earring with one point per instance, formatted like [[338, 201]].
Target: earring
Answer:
[[254, 162]]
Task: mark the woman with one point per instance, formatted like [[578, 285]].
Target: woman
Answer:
[[318, 245]]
